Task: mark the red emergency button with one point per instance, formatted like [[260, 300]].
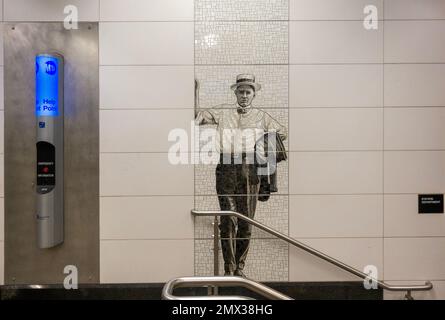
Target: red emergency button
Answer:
[[45, 169]]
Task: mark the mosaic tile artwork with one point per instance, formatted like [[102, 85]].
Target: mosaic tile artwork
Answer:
[[241, 43], [267, 260], [205, 180], [273, 213], [202, 137], [215, 82], [235, 37], [241, 10]]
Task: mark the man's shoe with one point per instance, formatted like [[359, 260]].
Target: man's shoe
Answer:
[[239, 273], [228, 273]]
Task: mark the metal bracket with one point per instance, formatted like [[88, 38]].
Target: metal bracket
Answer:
[[408, 295]]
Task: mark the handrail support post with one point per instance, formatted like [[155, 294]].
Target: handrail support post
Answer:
[[215, 247], [408, 295], [215, 252]]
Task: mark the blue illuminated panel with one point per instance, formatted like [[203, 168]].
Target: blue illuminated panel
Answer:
[[47, 91]]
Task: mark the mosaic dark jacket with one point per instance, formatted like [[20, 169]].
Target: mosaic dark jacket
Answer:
[[274, 152]]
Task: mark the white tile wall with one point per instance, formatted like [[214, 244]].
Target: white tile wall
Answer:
[[414, 172], [130, 261], [357, 252], [415, 41], [437, 293], [415, 85], [332, 9], [145, 43], [316, 129], [316, 216], [335, 172], [334, 42], [415, 259], [414, 9], [146, 218], [340, 85], [403, 220], [126, 174], [148, 87], [48, 10], [141, 130], [414, 128], [2, 209], [143, 10]]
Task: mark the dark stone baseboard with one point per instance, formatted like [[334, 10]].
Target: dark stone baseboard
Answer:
[[152, 291]]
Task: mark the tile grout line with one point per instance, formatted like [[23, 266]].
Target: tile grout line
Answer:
[[289, 138], [213, 65], [194, 166], [277, 239], [276, 195], [247, 21], [161, 152], [99, 116], [293, 109], [383, 144], [2, 153]]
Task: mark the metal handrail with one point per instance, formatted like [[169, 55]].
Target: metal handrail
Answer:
[[169, 287], [427, 286]]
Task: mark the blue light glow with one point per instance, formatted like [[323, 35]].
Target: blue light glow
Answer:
[[47, 91]]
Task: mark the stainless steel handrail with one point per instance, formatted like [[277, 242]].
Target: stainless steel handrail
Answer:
[[169, 287], [427, 286]]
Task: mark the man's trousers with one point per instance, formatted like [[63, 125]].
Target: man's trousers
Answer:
[[237, 186]]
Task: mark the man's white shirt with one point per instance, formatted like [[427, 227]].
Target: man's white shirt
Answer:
[[238, 129]]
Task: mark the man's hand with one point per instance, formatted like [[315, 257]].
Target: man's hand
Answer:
[[196, 97], [197, 87], [201, 116]]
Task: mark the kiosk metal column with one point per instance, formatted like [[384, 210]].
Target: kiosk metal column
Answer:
[[49, 117]]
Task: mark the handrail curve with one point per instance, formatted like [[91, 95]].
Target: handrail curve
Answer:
[[226, 281]]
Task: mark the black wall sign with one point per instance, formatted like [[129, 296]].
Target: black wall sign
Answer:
[[431, 203]]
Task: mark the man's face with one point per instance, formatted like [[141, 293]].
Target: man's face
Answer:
[[244, 95]]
